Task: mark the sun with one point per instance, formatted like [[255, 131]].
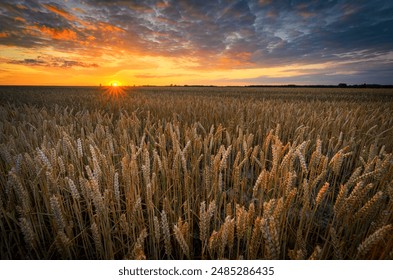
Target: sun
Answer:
[[115, 83], [114, 91]]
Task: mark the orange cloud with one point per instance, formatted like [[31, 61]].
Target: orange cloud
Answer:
[[59, 34], [79, 10], [162, 5], [60, 12], [20, 19], [227, 62], [66, 34], [22, 7], [98, 26], [109, 27]]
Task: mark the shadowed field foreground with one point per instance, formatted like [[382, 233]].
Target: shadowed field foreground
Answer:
[[196, 173]]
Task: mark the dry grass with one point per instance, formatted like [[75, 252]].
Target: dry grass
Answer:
[[198, 173]]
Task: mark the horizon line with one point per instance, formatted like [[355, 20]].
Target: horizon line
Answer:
[[340, 85]]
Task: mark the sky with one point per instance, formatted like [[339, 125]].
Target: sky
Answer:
[[214, 42]]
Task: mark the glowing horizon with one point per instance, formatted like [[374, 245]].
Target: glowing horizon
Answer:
[[217, 43]]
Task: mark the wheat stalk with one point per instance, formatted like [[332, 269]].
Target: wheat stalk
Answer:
[[165, 230], [372, 240]]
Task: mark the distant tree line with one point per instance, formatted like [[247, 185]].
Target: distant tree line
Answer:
[[340, 85]]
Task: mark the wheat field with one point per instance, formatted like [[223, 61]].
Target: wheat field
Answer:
[[196, 173]]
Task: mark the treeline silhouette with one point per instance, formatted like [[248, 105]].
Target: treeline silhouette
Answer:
[[340, 85]]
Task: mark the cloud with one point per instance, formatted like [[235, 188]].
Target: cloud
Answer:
[[50, 61], [59, 11], [270, 30], [58, 34], [150, 76], [20, 19]]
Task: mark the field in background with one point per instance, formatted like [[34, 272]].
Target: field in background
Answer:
[[196, 173]]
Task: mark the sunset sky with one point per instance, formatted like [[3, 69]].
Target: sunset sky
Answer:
[[215, 42]]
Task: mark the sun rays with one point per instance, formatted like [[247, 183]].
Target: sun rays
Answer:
[[113, 94], [115, 91]]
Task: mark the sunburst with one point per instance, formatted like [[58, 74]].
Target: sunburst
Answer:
[[115, 90], [113, 93]]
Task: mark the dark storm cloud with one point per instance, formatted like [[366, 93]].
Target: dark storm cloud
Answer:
[[218, 32]]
